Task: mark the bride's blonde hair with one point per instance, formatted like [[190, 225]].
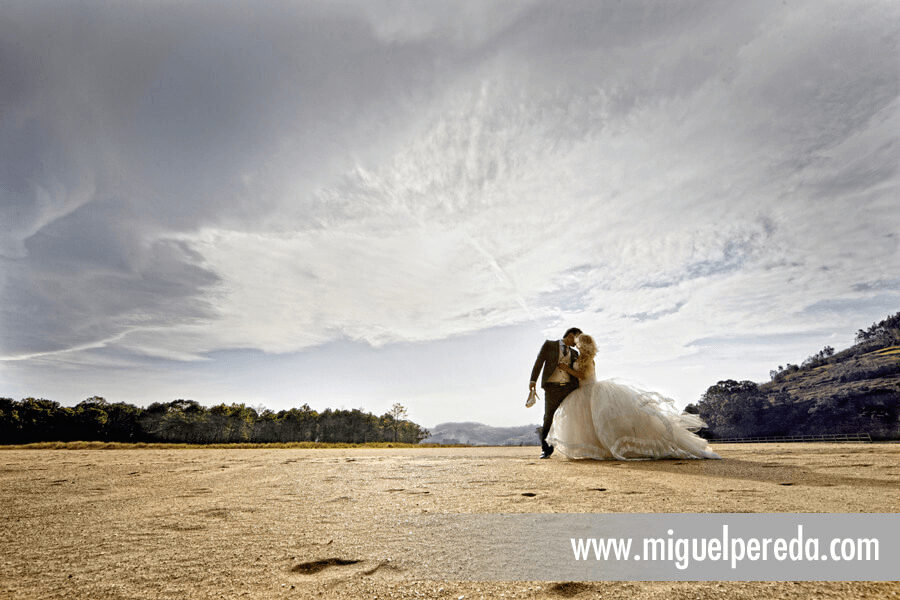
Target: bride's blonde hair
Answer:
[[587, 350]]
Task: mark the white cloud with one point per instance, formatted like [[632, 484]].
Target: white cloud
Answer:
[[465, 23]]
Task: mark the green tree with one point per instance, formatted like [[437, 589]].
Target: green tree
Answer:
[[393, 420], [10, 422], [732, 408], [123, 422], [176, 421]]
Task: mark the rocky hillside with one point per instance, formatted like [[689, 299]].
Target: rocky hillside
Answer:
[[845, 375]]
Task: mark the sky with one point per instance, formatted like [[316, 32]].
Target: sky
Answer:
[[353, 204]]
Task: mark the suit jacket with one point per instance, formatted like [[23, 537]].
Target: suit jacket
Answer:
[[548, 359]]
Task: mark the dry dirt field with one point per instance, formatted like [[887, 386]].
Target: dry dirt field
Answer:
[[328, 523]]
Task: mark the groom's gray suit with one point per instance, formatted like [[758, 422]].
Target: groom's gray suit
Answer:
[[554, 393]]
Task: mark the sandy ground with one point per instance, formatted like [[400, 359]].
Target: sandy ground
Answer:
[[329, 523]]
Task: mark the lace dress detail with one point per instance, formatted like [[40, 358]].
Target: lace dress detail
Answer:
[[609, 420]]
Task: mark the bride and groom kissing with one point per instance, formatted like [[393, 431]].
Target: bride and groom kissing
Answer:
[[606, 420]]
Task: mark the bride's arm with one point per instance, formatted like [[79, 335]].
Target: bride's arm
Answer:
[[573, 372]]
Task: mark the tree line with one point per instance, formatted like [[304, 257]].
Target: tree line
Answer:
[[741, 409], [188, 422], [746, 409]]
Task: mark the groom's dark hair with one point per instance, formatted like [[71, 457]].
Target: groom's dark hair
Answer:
[[574, 330]]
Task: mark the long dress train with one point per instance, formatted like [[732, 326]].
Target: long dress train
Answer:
[[608, 420]]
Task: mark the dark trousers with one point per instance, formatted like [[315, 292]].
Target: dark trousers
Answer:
[[553, 397]]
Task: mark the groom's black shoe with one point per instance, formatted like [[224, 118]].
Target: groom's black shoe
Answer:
[[547, 453]]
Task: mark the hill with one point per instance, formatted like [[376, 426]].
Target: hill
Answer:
[[847, 375], [856, 390], [479, 434]]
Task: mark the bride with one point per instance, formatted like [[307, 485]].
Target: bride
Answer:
[[605, 420]]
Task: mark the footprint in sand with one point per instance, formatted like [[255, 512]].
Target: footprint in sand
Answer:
[[309, 568], [568, 589]]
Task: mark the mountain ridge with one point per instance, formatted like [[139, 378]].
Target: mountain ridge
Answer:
[[478, 434]]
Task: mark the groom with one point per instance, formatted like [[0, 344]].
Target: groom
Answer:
[[557, 384]]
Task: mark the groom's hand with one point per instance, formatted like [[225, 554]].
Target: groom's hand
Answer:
[[532, 385]]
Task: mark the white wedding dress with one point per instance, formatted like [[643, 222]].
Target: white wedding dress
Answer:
[[606, 420]]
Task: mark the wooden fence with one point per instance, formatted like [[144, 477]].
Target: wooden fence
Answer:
[[834, 437]]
